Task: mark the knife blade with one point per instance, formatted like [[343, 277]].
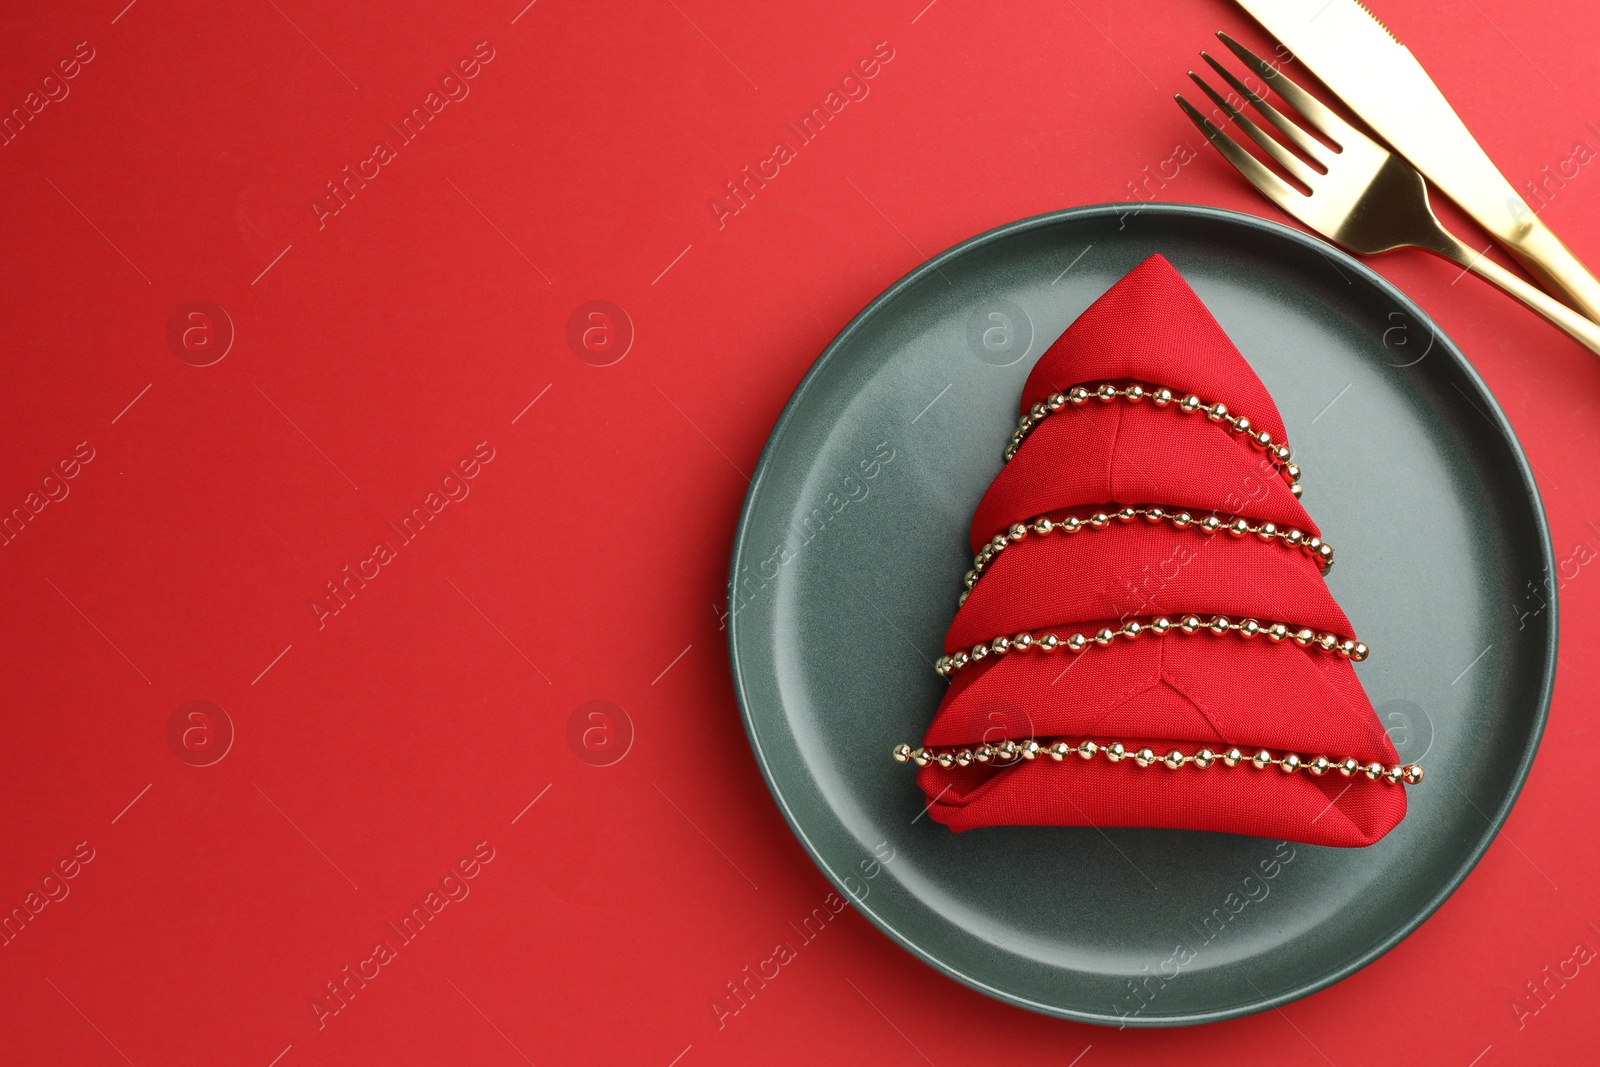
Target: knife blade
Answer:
[[1365, 65]]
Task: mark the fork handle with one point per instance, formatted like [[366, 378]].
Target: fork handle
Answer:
[[1582, 330]]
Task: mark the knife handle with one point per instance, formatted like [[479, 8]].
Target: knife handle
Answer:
[[1538, 248]]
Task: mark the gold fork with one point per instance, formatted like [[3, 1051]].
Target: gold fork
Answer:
[[1362, 196]]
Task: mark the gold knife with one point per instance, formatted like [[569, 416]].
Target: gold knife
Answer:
[[1358, 58]]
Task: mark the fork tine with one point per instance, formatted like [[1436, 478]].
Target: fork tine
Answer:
[[1285, 125], [1269, 144], [1273, 187], [1321, 117]]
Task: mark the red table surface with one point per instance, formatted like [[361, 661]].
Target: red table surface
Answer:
[[429, 722]]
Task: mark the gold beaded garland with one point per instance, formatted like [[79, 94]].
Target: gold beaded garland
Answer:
[[1278, 454], [1044, 526], [1191, 625], [1145, 756]]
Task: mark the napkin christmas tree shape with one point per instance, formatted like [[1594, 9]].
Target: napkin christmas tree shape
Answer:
[[1147, 638]]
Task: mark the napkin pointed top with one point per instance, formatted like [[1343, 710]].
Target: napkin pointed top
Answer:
[[1151, 327]]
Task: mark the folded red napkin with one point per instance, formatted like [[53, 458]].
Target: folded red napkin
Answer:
[[1147, 638]]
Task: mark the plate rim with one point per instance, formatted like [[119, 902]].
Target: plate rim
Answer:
[[1271, 229]]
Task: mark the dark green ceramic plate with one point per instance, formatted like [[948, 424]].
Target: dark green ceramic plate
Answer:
[[849, 556]]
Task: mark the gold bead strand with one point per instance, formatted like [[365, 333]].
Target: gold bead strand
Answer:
[[1160, 626], [1044, 526], [1161, 396], [1008, 751]]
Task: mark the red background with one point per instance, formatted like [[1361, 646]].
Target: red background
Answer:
[[375, 351]]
